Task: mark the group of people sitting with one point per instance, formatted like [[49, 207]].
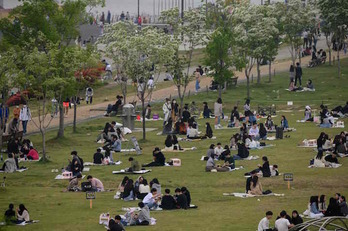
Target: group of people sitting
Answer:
[[172, 143], [16, 217], [19, 150], [317, 58], [93, 184], [340, 111], [326, 118], [337, 148], [317, 207], [283, 222], [219, 153]]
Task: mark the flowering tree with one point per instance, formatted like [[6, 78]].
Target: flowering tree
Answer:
[[139, 53], [295, 18], [253, 33], [188, 30], [335, 15]]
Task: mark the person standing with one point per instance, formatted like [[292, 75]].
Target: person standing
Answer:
[[108, 17], [167, 109], [298, 74], [102, 18], [89, 95], [292, 73], [218, 113], [25, 116], [198, 79]]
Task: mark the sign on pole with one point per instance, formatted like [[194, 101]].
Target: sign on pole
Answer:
[[288, 177]]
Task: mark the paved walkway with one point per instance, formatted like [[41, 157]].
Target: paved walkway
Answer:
[[85, 113]]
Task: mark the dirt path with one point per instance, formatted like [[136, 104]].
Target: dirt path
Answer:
[[84, 112]]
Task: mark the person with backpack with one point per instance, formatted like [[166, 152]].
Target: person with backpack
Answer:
[[25, 116], [89, 95], [76, 165]]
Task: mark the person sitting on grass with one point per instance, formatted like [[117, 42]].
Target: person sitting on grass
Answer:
[[283, 224], [206, 110], [118, 221], [296, 219], [319, 160], [76, 164], [333, 209], [224, 153], [176, 145], [116, 143], [264, 223], [210, 151], [98, 157], [265, 168], [33, 154], [143, 189], [211, 165], [158, 159], [74, 184], [254, 132], [262, 132], [151, 199], [128, 191], [243, 152], [234, 120], [249, 179], [186, 114], [168, 202], [274, 170], [181, 200], [10, 164], [310, 84], [284, 123], [134, 165], [255, 186], [218, 150], [22, 214], [168, 143], [143, 218], [156, 184], [229, 161], [208, 130], [192, 132], [269, 123], [10, 215], [97, 185], [314, 208], [332, 158], [343, 206]]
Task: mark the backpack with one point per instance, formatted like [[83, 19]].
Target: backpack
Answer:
[[86, 186], [81, 161]]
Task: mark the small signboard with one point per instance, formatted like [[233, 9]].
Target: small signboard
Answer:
[[90, 195], [288, 177], [136, 145], [290, 103]]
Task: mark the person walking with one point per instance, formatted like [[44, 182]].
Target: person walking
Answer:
[[89, 95], [25, 116], [298, 74], [198, 79], [218, 113]]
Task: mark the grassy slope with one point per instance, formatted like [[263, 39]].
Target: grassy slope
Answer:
[[66, 211]]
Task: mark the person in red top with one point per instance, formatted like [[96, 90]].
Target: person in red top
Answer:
[[33, 154], [139, 20]]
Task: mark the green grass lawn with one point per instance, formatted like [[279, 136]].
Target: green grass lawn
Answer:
[[43, 195]]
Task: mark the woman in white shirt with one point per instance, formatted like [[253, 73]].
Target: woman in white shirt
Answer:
[[22, 214], [218, 112]]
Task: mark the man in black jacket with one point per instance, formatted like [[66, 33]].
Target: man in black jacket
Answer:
[[298, 75]]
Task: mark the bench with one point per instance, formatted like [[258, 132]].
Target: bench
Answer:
[[232, 81]]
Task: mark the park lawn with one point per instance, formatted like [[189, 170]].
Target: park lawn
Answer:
[[43, 195]]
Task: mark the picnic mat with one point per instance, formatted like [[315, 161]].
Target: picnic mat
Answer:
[[60, 177], [93, 164], [18, 170], [246, 195], [27, 160], [123, 171], [181, 150]]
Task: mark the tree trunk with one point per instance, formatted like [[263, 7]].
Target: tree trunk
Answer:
[[61, 122], [338, 61], [43, 136], [258, 71], [143, 114], [330, 56], [248, 84], [270, 71], [75, 112], [220, 91]]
